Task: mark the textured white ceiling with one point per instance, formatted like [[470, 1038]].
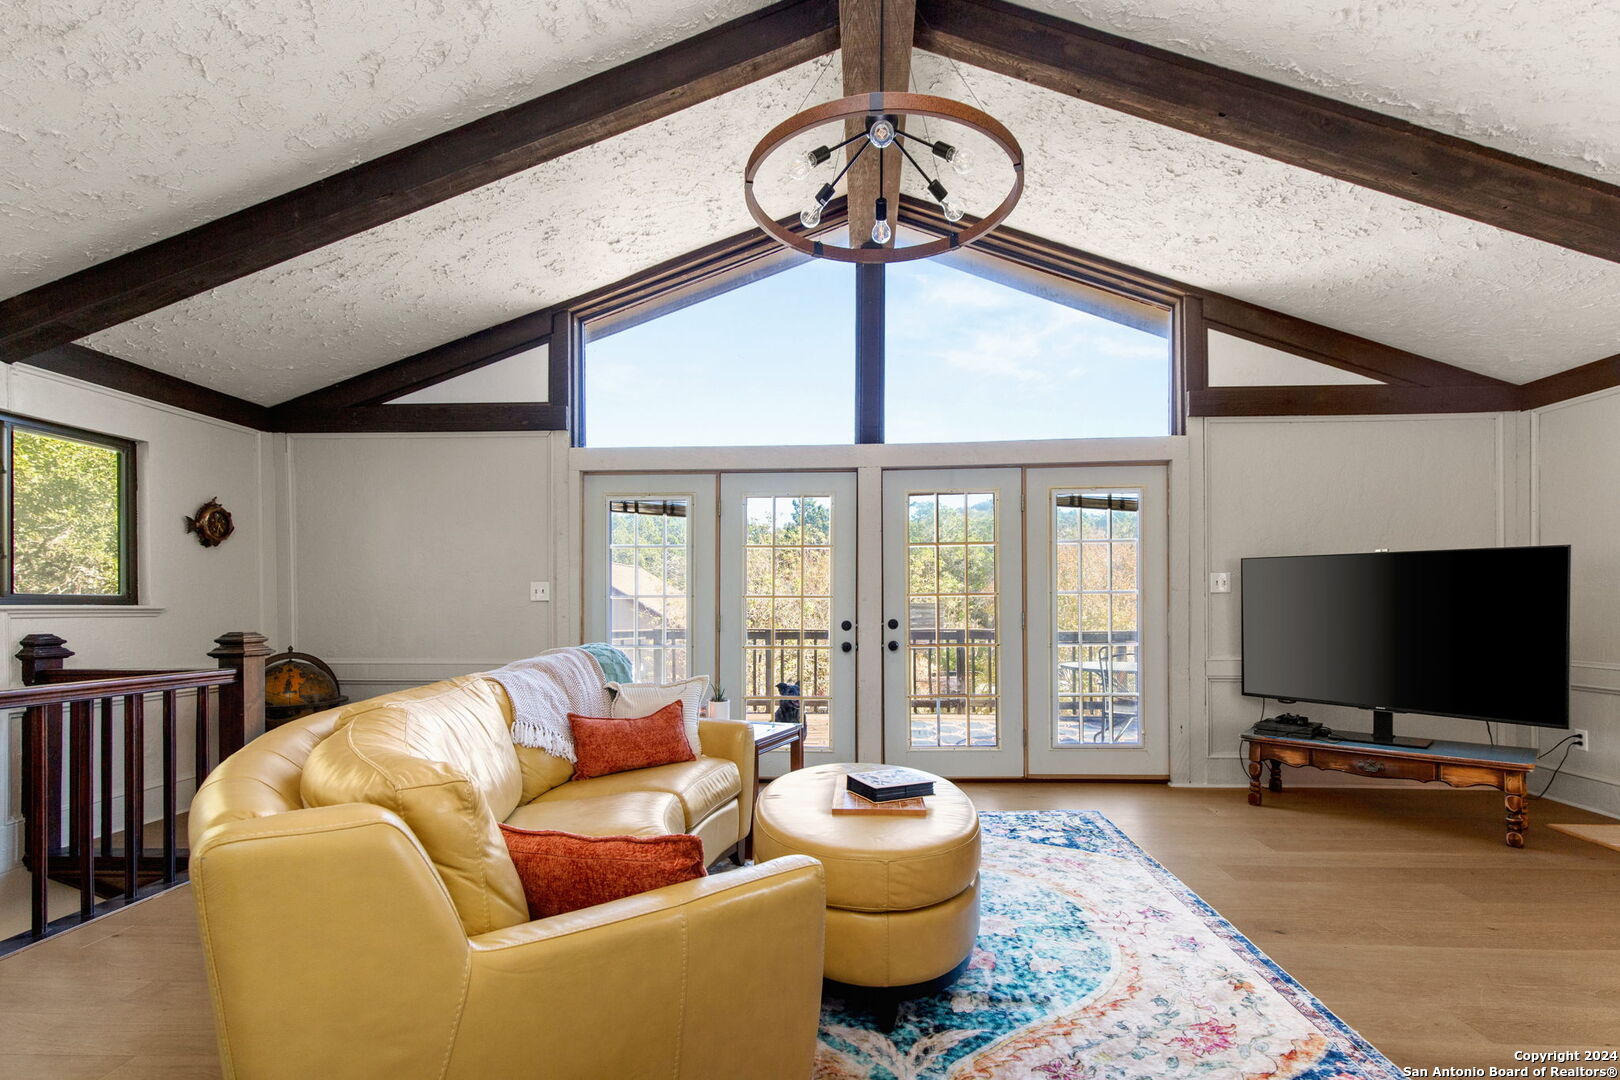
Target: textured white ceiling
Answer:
[[1123, 188], [122, 121], [570, 225], [125, 121], [1532, 77], [1290, 239]]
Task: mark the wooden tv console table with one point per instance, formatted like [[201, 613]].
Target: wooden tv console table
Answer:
[[1456, 763]]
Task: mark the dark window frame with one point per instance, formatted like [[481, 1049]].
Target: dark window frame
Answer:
[[748, 262], [128, 564]]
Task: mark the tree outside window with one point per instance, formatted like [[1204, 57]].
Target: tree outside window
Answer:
[[68, 503]]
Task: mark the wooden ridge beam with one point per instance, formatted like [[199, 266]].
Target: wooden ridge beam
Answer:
[[725, 58], [1289, 125], [875, 39]]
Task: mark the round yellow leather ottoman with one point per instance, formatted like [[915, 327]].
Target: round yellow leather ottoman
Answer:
[[902, 892]]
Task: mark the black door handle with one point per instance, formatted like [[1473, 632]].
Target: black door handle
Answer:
[[894, 624], [847, 646], [846, 626], [894, 646]]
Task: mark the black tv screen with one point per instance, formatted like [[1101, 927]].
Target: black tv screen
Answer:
[[1481, 633]]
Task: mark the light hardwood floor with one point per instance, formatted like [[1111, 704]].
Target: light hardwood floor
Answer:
[[1401, 909]]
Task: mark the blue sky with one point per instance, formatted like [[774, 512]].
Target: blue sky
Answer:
[[772, 363]]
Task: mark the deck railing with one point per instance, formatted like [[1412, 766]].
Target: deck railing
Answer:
[[82, 727]]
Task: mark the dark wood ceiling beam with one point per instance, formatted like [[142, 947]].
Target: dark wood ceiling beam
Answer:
[[1293, 126], [449, 164], [1350, 400], [493, 416], [875, 38], [681, 280], [1335, 348], [1576, 382], [114, 373]]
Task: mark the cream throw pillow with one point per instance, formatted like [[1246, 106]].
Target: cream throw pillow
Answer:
[[633, 700]]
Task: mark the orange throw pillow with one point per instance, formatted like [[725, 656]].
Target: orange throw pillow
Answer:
[[603, 745], [564, 871]]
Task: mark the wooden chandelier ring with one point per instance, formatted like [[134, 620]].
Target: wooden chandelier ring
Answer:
[[859, 107]]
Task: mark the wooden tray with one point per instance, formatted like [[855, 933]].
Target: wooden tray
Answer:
[[846, 801]]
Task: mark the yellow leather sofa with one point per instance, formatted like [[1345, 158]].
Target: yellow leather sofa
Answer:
[[361, 918]]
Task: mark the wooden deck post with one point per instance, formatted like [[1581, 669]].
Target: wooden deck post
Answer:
[[241, 703]]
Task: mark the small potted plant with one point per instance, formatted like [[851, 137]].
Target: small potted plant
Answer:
[[719, 707]]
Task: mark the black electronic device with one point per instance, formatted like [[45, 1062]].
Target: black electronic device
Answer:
[[1291, 726], [1478, 633]]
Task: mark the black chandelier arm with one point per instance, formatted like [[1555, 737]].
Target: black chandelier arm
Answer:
[[915, 138], [913, 161], [849, 164], [846, 142]]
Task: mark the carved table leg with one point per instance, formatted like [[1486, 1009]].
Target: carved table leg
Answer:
[[1518, 810], [1276, 776], [1254, 768]]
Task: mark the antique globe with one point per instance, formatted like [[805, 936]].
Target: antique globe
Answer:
[[297, 684]]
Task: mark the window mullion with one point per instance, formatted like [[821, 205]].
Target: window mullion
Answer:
[[869, 342]]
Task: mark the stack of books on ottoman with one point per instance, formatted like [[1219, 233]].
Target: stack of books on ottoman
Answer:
[[889, 790]]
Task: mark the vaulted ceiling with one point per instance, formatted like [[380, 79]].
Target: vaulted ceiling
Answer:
[[125, 121]]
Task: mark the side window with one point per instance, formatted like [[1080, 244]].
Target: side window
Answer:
[[69, 514]]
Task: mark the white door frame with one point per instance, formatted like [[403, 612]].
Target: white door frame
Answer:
[[735, 489], [1006, 759], [1150, 759], [701, 560]]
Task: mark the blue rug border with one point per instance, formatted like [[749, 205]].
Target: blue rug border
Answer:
[[1281, 980]]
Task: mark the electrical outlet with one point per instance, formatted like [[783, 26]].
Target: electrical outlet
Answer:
[[1219, 583], [1583, 740], [539, 591]]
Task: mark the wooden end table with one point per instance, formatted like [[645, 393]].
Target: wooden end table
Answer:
[[1459, 764], [770, 735]]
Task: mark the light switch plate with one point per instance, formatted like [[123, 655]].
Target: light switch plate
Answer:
[[539, 591], [1220, 582]]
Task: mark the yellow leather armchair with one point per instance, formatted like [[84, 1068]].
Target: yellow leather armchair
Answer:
[[334, 951]]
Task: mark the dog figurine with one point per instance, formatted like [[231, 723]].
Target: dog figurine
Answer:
[[787, 712]]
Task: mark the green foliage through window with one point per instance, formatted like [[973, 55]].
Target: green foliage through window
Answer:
[[68, 505]]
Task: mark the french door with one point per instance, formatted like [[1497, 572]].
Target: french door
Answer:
[[1096, 612], [1024, 610], [787, 605], [952, 634]]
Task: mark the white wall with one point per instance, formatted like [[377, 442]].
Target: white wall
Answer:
[[1575, 461], [410, 556], [188, 594]]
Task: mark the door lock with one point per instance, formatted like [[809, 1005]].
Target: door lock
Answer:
[[894, 646], [848, 646]]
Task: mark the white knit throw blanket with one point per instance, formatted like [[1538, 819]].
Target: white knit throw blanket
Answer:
[[544, 689]]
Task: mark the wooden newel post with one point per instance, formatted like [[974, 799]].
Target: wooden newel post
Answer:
[[241, 703], [40, 652]]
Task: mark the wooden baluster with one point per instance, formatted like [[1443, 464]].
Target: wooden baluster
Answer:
[[81, 799], [39, 805], [134, 792], [170, 867], [106, 777], [200, 770]]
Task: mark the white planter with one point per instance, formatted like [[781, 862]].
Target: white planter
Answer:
[[719, 710]]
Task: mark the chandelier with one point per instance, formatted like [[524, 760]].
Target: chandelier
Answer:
[[883, 118]]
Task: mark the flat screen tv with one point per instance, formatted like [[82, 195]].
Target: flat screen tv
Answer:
[[1481, 633]]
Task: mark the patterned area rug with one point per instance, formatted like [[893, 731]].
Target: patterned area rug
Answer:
[[1096, 963]]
